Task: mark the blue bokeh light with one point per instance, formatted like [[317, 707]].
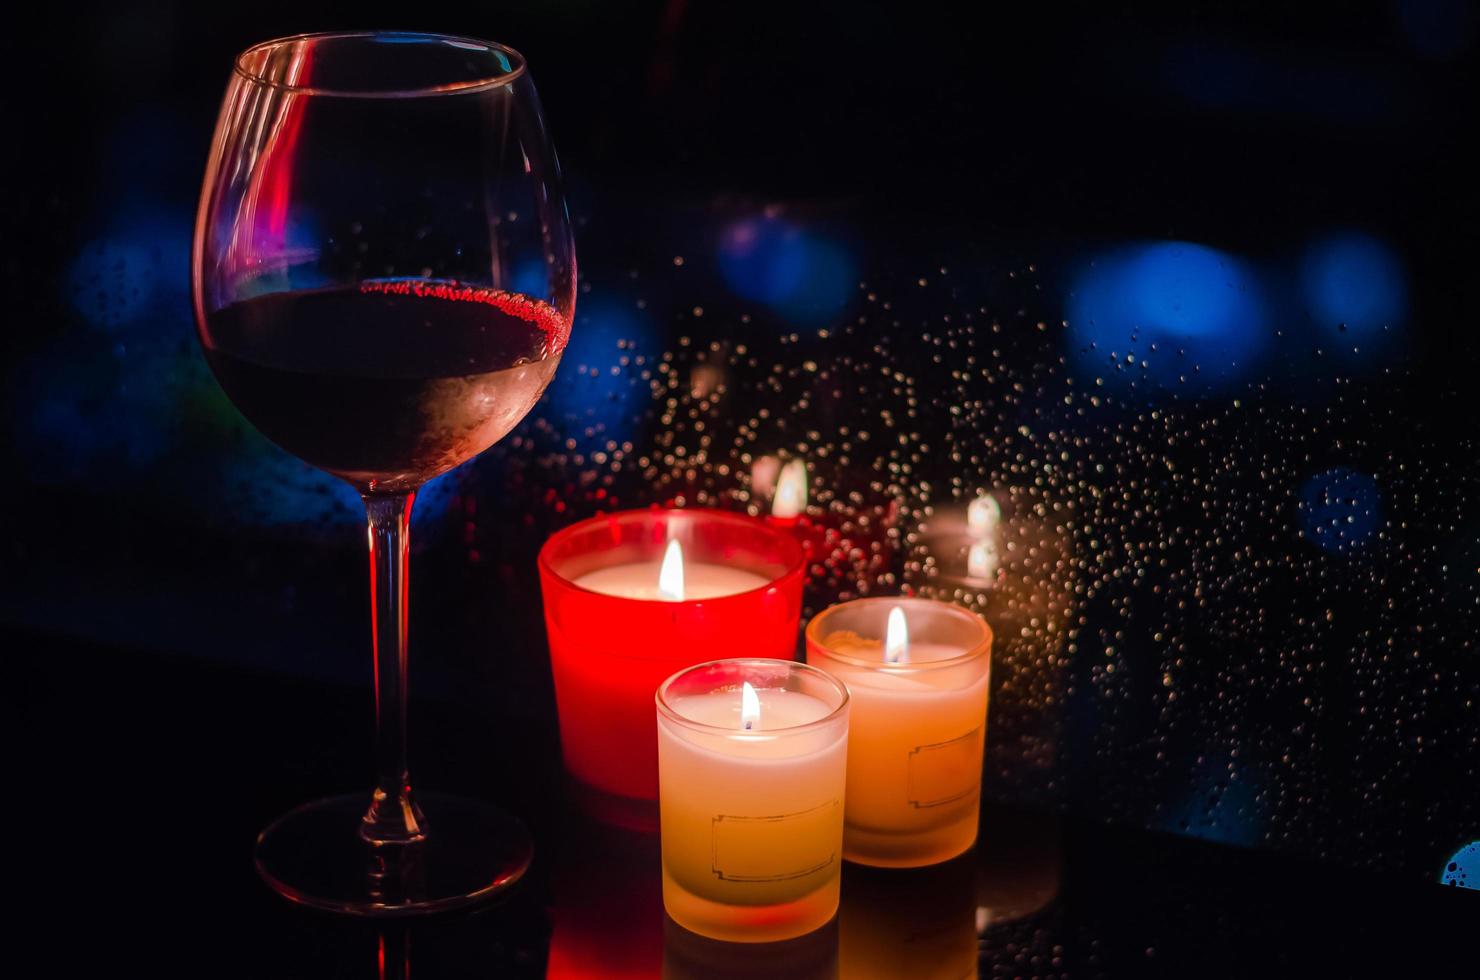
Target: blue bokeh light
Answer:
[[531, 278], [112, 281], [1354, 284], [806, 278], [117, 392], [434, 499], [79, 418], [1462, 870], [263, 486], [1220, 807], [1340, 508], [116, 282], [1176, 314], [593, 399], [100, 399]]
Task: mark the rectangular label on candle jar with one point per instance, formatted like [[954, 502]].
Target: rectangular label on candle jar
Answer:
[[943, 772], [775, 848]]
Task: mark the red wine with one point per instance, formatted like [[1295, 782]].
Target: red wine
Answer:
[[388, 384]]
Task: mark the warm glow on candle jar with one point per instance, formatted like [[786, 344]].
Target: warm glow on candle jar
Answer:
[[918, 672], [630, 598], [752, 756]]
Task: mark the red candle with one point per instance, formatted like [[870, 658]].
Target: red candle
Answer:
[[620, 622]]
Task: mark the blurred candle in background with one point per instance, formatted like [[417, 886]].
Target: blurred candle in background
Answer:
[[917, 670], [752, 757], [632, 597], [982, 515], [851, 545], [1009, 556], [790, 501]]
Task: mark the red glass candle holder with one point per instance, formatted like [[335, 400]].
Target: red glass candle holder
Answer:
[[609, 653]]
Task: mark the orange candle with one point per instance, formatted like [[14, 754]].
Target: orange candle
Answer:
[[917, 671]]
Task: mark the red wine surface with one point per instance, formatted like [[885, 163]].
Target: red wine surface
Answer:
[[388, 384]]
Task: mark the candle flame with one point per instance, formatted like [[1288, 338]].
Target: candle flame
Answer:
[[982, 515], [791, 490], [670, 575], [750, 706], [763, 474], [896, 638], [981, 560]]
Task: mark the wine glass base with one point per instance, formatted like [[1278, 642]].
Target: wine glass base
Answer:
[[314, 856]]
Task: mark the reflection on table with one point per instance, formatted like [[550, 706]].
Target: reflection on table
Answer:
[[687, 956], [607, 911], [917, 922], [1018, 863], [929, 923]]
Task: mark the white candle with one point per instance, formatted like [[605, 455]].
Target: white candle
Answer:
[[983, 515], [656, 579], [726, 709], [751, 817]]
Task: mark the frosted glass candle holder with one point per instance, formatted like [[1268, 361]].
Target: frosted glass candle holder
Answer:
[[917, 730], [751, 817]]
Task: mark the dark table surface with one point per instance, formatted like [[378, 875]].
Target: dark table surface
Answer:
[[146, 777]]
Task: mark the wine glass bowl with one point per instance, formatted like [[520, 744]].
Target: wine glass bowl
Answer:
[[384, 282], [383, 265]]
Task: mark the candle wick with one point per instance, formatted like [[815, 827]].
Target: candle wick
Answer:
[[747, 725]]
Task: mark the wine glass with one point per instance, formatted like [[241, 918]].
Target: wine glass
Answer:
[[384, 282]]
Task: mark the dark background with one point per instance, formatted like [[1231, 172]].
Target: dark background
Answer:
[[1266, 570]]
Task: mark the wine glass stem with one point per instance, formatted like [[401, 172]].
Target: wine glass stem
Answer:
[[393, 817]]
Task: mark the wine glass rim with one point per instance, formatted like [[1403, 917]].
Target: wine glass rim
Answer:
[[454, 88]]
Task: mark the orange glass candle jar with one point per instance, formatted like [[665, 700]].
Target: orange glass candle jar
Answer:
[[918, 672], [615, 632]]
